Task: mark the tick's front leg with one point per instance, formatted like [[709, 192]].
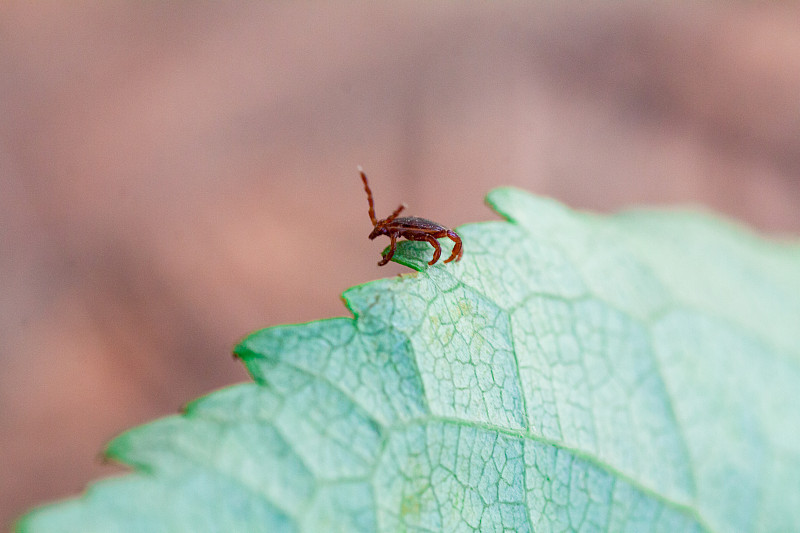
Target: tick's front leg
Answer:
[[392, 248], [437, 249], [457, 251]]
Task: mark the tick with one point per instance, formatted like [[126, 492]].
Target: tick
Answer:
[[411, 228]]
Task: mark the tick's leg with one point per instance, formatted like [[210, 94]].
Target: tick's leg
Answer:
[[437, 248], [392, 248], [457, 251]]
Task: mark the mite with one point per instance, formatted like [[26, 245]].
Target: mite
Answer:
[[411, 228]]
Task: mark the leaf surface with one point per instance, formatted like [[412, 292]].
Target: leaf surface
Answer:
[[573, 372]]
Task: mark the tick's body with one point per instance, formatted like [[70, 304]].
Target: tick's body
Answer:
[[411, 228]]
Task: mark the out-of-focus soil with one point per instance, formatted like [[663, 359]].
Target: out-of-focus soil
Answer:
[[175, 175]]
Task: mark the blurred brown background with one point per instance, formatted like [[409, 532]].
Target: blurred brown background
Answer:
[[173, 176]]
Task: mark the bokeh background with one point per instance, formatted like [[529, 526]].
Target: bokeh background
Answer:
[[174, 175]]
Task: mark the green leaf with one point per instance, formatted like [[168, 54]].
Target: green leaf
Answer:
[[573, 372]]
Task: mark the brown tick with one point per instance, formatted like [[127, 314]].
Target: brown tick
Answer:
[[412, 228]]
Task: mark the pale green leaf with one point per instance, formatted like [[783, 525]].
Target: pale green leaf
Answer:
[[573, 372]]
